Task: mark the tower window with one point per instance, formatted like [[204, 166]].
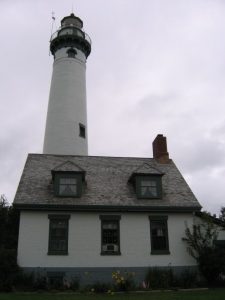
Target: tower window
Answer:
[[71, 53], [82, 131]]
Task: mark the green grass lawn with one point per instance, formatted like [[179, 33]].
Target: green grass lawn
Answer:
[[212, 294]]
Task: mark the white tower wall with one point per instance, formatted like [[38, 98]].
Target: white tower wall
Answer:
[[67, 106]]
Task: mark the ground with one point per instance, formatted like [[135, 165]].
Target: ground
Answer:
[[210, 294]]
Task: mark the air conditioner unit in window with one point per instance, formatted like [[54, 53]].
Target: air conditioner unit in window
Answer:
[[110, 248]]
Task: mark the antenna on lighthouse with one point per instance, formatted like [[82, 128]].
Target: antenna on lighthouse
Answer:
[[53, 21]]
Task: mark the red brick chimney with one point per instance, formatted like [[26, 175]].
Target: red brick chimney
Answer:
[[159, 146]]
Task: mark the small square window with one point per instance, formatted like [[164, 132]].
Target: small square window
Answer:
[[149, 187], [82, 131], [71, 53], [68, 184]]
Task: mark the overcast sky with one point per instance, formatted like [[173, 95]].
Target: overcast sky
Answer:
[[157, 66]]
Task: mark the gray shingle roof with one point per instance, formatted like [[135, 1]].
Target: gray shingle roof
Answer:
[[106, 183]]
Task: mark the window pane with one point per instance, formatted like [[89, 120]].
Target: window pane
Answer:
[[148, 188], [148, 191], [110, 236], [67, 180], [159, 239], [68, 186], [58, 235], [67, 189], [109, 226], [58, 224], [153, 191], [148, 183]]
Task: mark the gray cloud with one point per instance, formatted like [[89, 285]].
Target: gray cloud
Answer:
[[155, 67]]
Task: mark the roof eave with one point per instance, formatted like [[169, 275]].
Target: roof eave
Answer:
[[106, 208]]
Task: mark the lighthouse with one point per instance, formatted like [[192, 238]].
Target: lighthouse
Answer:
[[66, 124]]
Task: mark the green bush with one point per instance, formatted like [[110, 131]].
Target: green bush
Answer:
[[123, 281], [212, 264], [201, 242], [41, 283], [75, 284], [159, 278], [9, 269], [187, 279], [100, 287], [24, 282]]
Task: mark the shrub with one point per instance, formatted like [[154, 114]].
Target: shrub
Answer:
[[100, 287], [212, 264], [187, 279], [159, 278], [75, 284], [24, 281], [201, 246], [123, 281], [9, 269]]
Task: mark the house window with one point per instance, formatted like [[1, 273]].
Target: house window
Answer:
[[82, 131], [58, 234], [159, 235], [68, 184], [110, 235], [149, 187]]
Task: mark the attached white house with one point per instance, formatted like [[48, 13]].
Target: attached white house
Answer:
[[91, 215]]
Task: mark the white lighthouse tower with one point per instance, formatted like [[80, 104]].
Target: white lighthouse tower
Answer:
[[66, 125]]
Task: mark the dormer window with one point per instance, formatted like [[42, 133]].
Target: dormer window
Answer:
[[148, 187], [68, 184], [147, 182], [68, 180]]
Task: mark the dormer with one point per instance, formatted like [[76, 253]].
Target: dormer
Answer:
[[147, 182], [68, 180]]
